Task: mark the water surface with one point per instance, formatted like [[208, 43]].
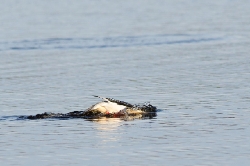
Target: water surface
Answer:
[[188, 58]]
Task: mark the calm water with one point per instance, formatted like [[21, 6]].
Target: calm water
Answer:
[[189, 58]]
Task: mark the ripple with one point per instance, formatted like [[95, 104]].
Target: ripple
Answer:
[[105, 42]]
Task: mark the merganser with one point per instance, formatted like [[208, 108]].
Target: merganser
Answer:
[[112, 106], [109, 108]]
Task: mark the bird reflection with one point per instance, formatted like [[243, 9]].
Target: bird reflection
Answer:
[[106, 124]]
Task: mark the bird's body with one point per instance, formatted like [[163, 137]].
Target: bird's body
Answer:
[[112, 106], [109, 108]]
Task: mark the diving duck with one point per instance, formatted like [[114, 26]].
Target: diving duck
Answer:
[[112, 106], [108, 107]]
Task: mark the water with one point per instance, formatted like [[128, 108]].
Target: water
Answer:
[[189, 58]]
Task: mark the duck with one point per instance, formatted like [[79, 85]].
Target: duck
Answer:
[[113, 106], [108, 107]]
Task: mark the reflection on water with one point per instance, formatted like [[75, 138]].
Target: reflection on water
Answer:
[[105, 124], [112, 123]]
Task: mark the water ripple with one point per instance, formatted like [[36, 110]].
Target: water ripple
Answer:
[[105, 42]]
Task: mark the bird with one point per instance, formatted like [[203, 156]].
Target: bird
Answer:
[[108, 107], [112, 106]]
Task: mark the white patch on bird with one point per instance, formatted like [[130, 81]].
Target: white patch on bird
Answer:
[[107, 106]]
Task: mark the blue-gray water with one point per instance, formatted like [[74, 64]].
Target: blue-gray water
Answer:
[[189, 58]]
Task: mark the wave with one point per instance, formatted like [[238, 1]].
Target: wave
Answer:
[[105, 42]]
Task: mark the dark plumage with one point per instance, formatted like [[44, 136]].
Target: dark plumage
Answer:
[[120, 102], [146, 110]]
